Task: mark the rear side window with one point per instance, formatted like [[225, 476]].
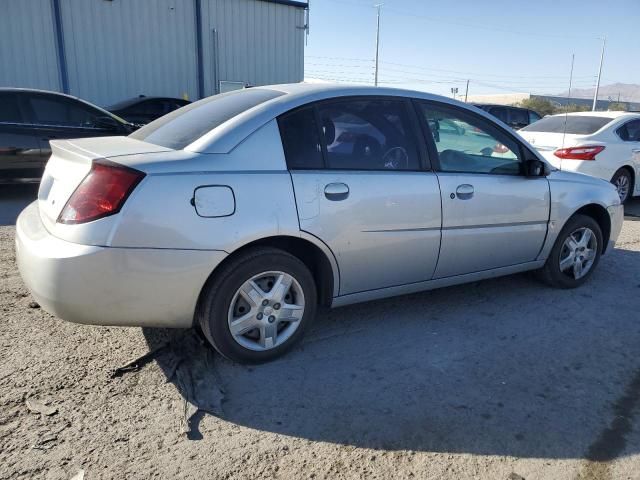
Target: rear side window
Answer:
[[500, 113], [301, 139], [368, 134], [184, 126], [63, 112], [630, 132], [518, 118], [576, 124], [9, 108]]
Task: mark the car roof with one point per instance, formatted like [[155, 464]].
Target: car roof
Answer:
[[226, 136], [608, 114], [140, 98]]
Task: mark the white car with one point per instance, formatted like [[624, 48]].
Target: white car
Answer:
[[601, 144]]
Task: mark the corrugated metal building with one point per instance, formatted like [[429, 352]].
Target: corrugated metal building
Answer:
[[109, 50]]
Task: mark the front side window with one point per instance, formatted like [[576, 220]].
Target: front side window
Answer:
[[467, 143], [368, 134], [630, 132]]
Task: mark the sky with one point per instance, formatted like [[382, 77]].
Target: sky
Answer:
[[501, 46]]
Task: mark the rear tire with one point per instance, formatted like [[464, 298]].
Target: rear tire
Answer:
[[623, 181], [561, 269], [258, 306]]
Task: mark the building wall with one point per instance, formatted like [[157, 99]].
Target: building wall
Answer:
[[124, 48], [28, 55], [255, 42], [117, 49]]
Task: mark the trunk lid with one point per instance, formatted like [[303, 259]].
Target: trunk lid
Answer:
[[546, 143], [70, 162]]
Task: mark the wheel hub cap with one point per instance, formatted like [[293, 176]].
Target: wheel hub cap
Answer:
[[266, 310], [578, 253]]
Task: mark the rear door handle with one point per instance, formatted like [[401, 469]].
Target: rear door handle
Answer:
[[464, 191], [636, 150], [336, 191]]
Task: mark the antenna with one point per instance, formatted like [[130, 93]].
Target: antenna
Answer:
[[566, 109], [595, 95], [375, 78]]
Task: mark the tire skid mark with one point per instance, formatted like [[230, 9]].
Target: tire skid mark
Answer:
[[612, 440]]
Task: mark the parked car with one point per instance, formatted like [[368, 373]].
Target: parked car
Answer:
[[30, 118], [602, 144], [141, 110], [240, 214], [515, 117]]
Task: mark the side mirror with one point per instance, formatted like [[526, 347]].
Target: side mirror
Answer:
[[536, 168]]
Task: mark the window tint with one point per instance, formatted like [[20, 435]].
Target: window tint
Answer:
[[9, 108], [576, 124], [181, 127], [500, 113], [301, 140], [630, 132], [533, 116], [470, 144], [371, 134], [50, 110], [518, 118]]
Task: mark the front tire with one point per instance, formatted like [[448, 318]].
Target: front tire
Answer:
[[258, 306], [575, 254], [623, 181]]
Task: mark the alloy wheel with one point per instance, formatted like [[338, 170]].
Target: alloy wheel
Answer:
[[578, 253], [622, 184]]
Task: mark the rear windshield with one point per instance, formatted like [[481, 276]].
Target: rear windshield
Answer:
[[181, 127], [576, 124]]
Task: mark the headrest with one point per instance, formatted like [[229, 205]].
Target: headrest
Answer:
[[329, 130]]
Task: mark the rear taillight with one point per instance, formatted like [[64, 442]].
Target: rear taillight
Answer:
[[102, 192], [579, 153]]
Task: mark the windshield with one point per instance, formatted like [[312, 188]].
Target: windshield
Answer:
[[181, 127], [576, 124]]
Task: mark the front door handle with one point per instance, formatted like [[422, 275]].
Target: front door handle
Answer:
[[636, 150], [464, 191], [336, 191]]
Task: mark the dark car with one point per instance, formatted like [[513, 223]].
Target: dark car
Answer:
[[515, 117], [30, 118], [142, 110]]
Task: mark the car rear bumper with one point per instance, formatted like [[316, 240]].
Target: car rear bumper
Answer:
[[110, 286]]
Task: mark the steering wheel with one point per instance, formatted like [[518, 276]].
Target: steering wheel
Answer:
[[396, 158]]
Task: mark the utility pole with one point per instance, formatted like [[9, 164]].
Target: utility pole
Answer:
[[378, 6], [595, 95], [466, 92]]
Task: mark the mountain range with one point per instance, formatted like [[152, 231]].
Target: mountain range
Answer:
[[627, 92]]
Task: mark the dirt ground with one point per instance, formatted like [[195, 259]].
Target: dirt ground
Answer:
[[503, 379]]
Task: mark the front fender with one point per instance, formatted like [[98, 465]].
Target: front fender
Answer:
[[569, 193]]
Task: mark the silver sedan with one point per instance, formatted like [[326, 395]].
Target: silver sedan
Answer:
[[244, 212]]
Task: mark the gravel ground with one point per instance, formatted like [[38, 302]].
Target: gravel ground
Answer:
[[503, 379]]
